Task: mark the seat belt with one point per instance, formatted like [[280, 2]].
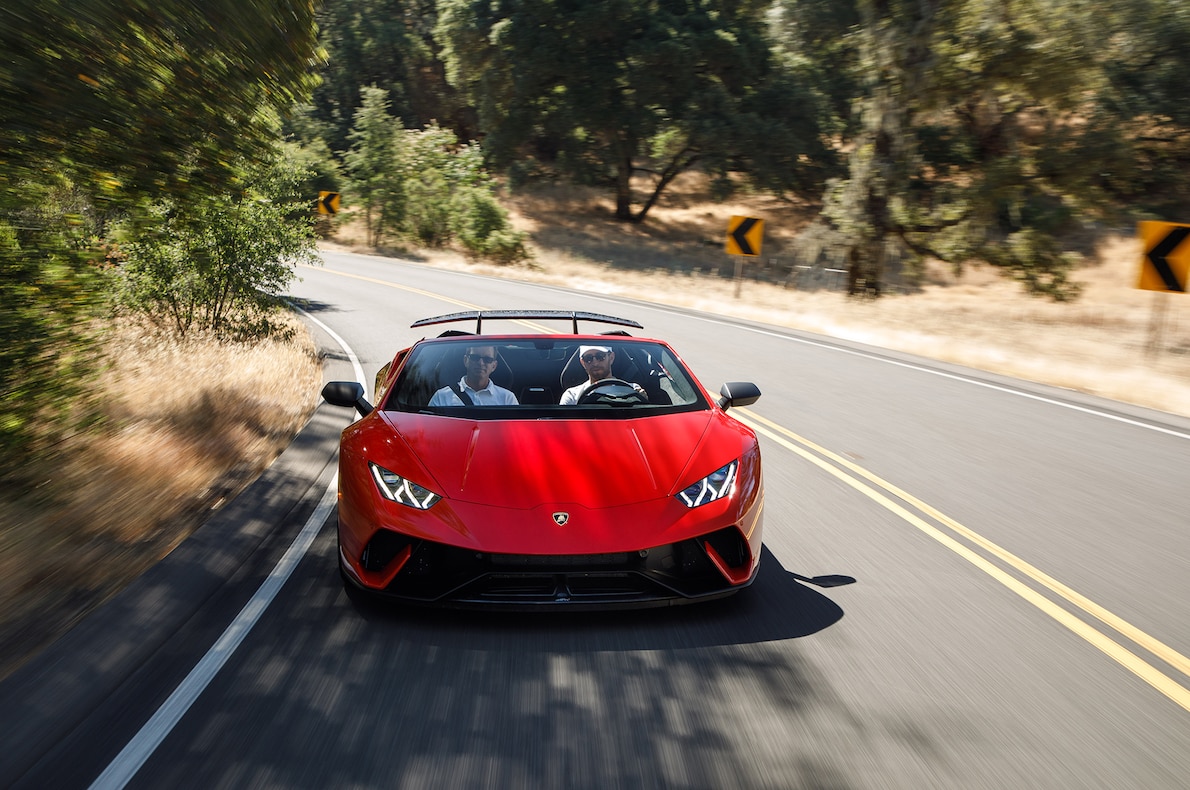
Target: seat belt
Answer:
[[463, 396]]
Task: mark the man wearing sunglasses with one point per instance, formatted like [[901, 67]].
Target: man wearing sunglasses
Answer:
[[597, 361], [476, 388]]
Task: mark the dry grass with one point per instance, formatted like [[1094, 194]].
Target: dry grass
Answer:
[[1097, 344], [189, 424]]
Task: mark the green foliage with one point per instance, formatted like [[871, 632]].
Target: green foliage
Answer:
[[428, 219], [1035, 259], [389, 44], [973, 143], [219, 265], [1139, 129], [321, 168], [449, 196], [144, 98], [413, 184], [102, 107], [50, 292], [966, 126], [819, 40], [482, 227]]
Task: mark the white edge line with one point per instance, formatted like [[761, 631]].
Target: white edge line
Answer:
[[130, 760], [978, 383], [137, 752], [355, 363]]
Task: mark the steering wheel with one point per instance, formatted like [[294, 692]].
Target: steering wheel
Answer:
[[626, 396]]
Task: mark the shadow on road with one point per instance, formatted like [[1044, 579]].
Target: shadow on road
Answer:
[[778, 606], [379, 695]]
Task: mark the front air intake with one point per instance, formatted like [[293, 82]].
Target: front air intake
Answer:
[[382, 549]]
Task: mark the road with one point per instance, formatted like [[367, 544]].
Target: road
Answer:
[[969, 581]]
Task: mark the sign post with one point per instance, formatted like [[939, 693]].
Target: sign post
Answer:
[[1164, 268], [744, 237]]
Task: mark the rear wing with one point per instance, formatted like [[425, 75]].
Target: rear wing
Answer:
[[574, 316]]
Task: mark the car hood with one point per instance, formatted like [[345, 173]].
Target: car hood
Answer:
[[594, 463]]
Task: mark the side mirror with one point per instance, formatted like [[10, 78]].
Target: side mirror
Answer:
[[738, 393], [347, 393]]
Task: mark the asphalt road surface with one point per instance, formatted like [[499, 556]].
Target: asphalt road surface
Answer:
[[969, 581]]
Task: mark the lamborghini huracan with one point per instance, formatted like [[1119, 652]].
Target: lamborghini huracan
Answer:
[[549, 470]]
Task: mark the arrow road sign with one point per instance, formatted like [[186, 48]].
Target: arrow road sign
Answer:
[[744, 235], [1166, 262], [328, 202]]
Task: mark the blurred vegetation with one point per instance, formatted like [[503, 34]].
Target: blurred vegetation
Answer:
[[958, 130], [50, 298], [105, 112]]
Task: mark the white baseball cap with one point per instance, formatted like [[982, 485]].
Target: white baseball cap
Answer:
[[584, 349]]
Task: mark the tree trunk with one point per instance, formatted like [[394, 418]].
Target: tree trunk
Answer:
[[624, 189], [677, 165]]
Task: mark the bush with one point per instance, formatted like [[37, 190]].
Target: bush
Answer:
[[428, 209], [482, 227], [220, 264]]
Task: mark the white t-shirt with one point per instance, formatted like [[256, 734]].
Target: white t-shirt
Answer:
[[491, 395], [571, 396]]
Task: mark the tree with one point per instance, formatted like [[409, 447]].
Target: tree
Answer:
[[969, 138], [449, 196], [614, 89], [820, 38], [1138, 134], [103, 106], [371, 164]]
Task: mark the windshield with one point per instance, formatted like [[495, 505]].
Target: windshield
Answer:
[[479, 378]]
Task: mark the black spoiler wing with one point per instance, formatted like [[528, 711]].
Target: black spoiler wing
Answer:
[[574, 316]]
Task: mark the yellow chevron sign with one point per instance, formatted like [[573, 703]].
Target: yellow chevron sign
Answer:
[[328, 202], [1165, 265], [744, 235]]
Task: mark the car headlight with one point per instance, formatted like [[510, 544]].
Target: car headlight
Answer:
[[398, 489], [716, 485]]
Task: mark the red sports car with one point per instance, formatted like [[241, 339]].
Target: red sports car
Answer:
[[549, 470]]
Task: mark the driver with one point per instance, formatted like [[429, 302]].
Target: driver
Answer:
[[597, 361]]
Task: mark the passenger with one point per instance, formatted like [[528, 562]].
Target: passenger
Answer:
[[597, 361], [476, 388]]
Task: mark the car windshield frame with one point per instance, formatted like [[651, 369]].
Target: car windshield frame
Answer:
[[538, 368]]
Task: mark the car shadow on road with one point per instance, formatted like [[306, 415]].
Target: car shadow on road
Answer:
[[779, 605]]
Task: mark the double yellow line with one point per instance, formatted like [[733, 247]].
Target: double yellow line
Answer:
[[879, 491]]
